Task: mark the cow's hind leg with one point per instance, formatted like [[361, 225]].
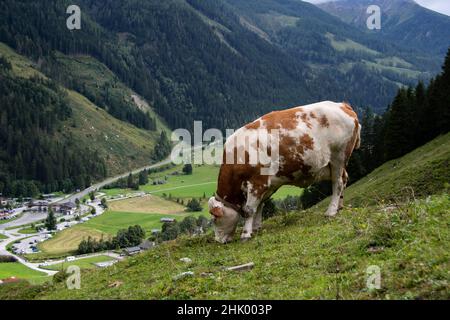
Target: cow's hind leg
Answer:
[[257, 221], [338, 187], [344, 180]]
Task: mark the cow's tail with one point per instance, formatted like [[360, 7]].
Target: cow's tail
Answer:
[[358, 137]]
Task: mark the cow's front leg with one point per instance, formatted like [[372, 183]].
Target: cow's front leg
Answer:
[[248, 228], [251, 209], [338, 187]]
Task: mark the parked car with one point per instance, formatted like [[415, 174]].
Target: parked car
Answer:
[[68, 259]]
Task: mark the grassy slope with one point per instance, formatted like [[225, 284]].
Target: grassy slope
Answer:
[[19, 271], [87, 263], [306, 255], [124, 146]]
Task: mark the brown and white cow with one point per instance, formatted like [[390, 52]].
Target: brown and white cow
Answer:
[[315, 144]]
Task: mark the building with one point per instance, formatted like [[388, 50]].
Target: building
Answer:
[[131, 251], [67, 208], [147, 245]]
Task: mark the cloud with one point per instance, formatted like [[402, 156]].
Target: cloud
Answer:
[[442, 6]]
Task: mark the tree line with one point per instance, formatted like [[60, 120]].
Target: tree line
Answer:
[[416, 116]]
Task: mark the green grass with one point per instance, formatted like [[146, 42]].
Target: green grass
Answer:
[[111, 221], [28, 230], [348, 44], [18, 270], [87, 263], [305, 255], [298, 256], [2, 237], [419, 173]]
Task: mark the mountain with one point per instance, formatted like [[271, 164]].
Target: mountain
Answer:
[[192, 60], [147, 65], [303, 255], [402, 21], [55, 139]]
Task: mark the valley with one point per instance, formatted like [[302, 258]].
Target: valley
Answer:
[[87, 178]]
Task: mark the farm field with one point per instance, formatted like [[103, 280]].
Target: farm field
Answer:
[[87, 263], [147, 204], [203, 182], [66, 241], [105, 226], [18, 270]]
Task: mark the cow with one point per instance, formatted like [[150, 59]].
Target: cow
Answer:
[[315, 143]]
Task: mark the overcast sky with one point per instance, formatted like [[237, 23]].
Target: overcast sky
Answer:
[[442, 6]]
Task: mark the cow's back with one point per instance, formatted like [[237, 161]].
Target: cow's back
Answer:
[[310, 137]]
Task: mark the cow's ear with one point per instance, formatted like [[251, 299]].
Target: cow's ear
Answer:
[[216, 212]]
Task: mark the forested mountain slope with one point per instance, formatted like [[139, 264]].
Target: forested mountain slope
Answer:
[[195, 59], [54, 139]]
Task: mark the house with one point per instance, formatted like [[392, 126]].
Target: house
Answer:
[[147, 245], [168, 220], [131, 251], [67, 208]]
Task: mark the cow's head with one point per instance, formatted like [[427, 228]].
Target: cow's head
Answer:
[[225, 220]]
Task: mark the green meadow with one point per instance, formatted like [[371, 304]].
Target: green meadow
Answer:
[[87, 263]]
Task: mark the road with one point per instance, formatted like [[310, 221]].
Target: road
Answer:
[[98, 186], [26, 241], [26, 218]]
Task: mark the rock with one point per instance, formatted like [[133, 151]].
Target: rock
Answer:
[[207, 275], [375, 249], [183, 275], [242, 267], [115, 284], [186, 260]]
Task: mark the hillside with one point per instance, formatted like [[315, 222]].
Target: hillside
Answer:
[[403, 21], [194, 59], [304, 255], [120, 145]]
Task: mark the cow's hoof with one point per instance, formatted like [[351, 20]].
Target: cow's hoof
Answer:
[[330, 214], [245, 239]]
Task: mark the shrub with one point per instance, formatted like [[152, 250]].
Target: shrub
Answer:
[[194, 206], [7, 259]]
